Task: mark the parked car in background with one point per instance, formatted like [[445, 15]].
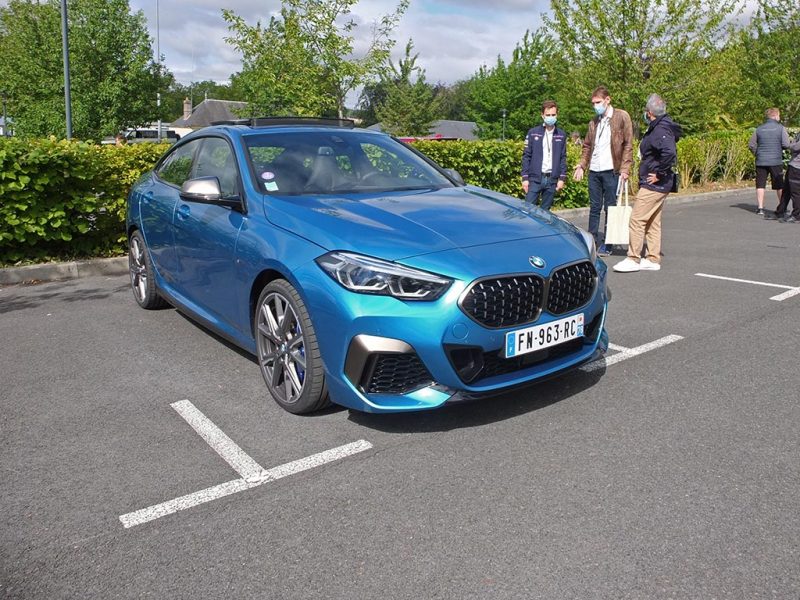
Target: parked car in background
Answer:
[[145, 135], [358, 271], [137, 136]]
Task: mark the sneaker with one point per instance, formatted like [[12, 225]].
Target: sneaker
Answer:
[[649, 265], [603, 251], [760, 211], [627, 266], [773, 217], [792, 220]]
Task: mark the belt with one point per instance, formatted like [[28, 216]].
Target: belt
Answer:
[[546, 174]]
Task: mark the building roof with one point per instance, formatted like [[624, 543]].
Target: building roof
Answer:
[[209, 111], [444, 129]]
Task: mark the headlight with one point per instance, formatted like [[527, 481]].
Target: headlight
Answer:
[[367, 275], [588, 239]]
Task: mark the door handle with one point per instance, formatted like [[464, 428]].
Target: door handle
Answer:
[[184, 211]]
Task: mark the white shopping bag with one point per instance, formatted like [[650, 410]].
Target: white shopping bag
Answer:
[[619, 217]]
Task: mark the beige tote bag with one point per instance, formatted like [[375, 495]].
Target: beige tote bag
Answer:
[[619, 217]]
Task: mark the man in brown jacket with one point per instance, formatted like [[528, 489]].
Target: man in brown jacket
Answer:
[[608, 154]]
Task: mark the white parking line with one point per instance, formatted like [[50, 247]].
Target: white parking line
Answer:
[[252, 473], [792, 290], [787, 294], [221, 443], [239, 485], [627, 353]]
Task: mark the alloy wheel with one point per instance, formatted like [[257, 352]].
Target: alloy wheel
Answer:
[[281, 348]]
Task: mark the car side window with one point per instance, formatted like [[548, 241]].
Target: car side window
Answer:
[[177, 167], [216, 159]]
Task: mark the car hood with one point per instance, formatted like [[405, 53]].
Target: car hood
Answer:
[[399, 225]]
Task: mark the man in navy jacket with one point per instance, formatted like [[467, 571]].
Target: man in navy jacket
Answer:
[[544, 159], [659, 152]]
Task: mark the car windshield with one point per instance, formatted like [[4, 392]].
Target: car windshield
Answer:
[[337, 162]]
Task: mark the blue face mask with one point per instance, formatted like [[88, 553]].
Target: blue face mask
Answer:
[[646, 118], [600, 109], [550, 121]]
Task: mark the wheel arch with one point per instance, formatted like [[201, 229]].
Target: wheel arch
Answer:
[[261, 281]]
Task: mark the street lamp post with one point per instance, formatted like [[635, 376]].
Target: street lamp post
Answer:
[[504, 124], [5, 114], [158, 53], [65, 52]]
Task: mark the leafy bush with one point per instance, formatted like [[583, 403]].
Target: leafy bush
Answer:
[[66, 199], [716, 156]]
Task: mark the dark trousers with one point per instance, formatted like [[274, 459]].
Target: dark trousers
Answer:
[[791, 190], [544, 190], [602, 194]]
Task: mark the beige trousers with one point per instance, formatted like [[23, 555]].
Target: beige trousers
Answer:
[[645, 225]]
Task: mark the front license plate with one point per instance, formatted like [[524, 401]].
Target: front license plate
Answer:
[[535, 338]]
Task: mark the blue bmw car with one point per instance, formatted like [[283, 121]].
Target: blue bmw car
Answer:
[[357, 271]]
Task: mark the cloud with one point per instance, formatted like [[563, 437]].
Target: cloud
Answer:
[[453, 37]]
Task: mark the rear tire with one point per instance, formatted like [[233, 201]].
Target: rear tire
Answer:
[[142, 276], [287, 350]]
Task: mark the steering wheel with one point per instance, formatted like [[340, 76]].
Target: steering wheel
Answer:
[[371, 175]]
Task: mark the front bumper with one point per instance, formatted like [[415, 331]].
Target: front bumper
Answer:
[[386, 355]]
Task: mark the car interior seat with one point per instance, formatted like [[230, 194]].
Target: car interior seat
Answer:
[[287, 171], [325, 172]]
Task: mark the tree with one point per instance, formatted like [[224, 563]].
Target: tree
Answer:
[[302, 62], [637, 47], [518, 88], [114, 78], [372, 96], [772, 60], [409, 107]]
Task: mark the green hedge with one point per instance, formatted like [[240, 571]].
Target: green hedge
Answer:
[[497, 165], [61, 200], [719, 156]]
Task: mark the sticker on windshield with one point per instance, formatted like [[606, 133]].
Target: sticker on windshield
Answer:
[[271, 186], [268, 175]]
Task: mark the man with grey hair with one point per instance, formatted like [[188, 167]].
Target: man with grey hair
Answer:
[[768, 143], [659, 152]]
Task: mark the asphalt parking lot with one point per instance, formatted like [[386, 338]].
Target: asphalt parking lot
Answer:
[[141, 456]]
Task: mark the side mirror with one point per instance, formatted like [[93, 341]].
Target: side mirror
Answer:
[[206, 190], [455, 176]]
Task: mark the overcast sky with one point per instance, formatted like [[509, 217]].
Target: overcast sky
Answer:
[[453, 37]]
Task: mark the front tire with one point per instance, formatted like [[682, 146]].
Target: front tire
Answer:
[[142, 276], [287, 350]]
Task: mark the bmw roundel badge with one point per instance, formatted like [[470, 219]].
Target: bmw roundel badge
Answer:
[[536, 261]]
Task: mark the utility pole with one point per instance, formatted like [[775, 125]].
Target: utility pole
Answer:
[[65, 52], [158, 52], [504, 124]]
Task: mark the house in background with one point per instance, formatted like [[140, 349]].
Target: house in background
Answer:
[[206, 113], [444, 129]]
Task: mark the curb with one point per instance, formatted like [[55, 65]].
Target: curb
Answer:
[[66, 270], [119, 265]]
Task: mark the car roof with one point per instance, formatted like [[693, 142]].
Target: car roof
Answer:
[[251, 127]]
